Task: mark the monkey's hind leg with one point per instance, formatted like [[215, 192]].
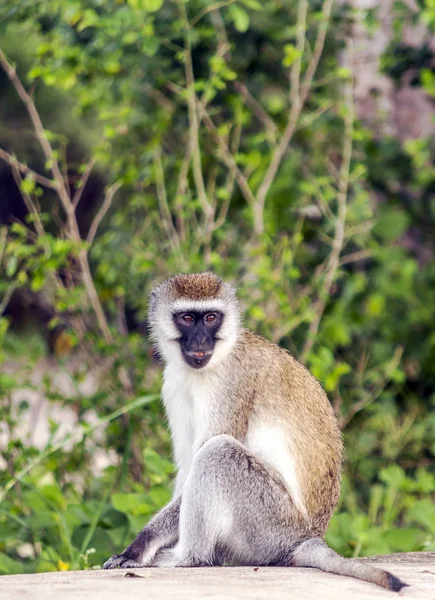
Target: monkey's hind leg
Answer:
[[232, 510]]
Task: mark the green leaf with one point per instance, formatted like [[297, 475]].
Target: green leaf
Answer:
[[8, 566], [405, 539], [28, 186], [375, 304], [253, 4], [239, 17], [151, 5], [134, 504], [393, 476], [423, 512], [392, 223], [291, 53], [11, 266], [156, 463], [89, 19]]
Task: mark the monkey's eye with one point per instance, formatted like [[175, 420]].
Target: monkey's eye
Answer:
[[187, 318], [210, 317]]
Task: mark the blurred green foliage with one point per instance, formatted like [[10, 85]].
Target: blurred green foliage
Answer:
[[114, 81]]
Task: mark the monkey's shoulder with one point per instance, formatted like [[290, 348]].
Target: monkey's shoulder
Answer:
[[275, 359], [280, 380]]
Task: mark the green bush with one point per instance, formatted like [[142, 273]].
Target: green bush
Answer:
[[227, 139]]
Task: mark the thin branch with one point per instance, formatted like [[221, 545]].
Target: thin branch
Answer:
[[83, 181], [193, 117], [258, 110], [338, 241], [107, 202], [69, 208], [209, 9], [281, 332], [295, 111], [25, 170], [40, 133], [63, 195], [344, 420], [319, 195], [160, 98], [3, 241], [227, 157], [295, 71], [162, 198], [182, 187], [309, 119], [355, 257], [229, 184], [31, 208], [7, 297]]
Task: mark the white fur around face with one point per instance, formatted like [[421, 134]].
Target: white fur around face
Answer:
[[271, 445]]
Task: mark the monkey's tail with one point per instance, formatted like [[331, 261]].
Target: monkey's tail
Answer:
[[315, 553]]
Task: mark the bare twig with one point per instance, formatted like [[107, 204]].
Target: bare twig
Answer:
[[107, 202], [83, 181], [62, 193], [162, 198], [182, 187], [228, 158], [288, 327], [160, 98], [40, 132], [337, 243], [31, 208], [7, 297], [355, 257], [295, 71], [258, 110], [295, 110], [25, 170], [209, 9], [231, 177], [3, 241], [309, 119], [193, 118], [369, 398]]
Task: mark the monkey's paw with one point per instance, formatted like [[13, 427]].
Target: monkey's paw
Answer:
[[121, 561], [174, 558]]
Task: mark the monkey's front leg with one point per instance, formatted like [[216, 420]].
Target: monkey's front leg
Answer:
[[161, 532]]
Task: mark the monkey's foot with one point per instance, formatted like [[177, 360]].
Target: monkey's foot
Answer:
[[120, 561], [174, 558]]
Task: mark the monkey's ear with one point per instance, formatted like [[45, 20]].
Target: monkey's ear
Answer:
[[154, 292], [154, 296]]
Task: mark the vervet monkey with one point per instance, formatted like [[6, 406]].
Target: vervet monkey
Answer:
[[256, 444]]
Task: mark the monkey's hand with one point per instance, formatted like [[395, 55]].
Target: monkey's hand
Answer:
[[161, 532], [120, 561], [139, 554]]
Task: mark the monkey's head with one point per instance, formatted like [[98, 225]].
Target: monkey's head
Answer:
[[194, 318]]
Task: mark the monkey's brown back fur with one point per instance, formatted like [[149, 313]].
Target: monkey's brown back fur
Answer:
[[303, 411]]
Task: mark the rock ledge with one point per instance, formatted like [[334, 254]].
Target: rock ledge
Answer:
[[224, 583]]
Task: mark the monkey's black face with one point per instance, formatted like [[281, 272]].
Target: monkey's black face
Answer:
[[198, 335]]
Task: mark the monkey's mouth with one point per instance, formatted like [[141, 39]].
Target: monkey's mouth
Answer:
[[198, 358]]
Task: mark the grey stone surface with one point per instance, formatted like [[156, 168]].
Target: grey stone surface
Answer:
[[223, 583]]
